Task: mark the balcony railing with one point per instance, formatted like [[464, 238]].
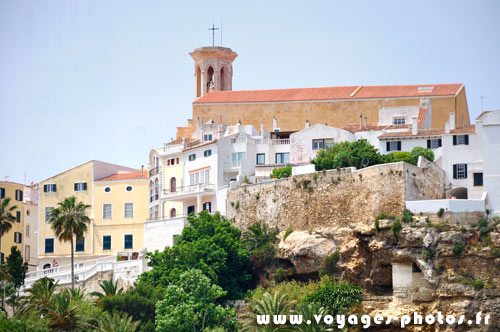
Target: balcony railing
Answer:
[[186, 190], [232, 164], [276, 141], [154, 171]]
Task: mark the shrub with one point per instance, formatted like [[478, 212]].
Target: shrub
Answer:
[[280, 275], [420, 151], [246, 180], [477, 284], [330, 263], [495, 253], [310, 189], [401, 156], [428, 221], [428, 254], [377, 226], [287, 232], [281, 172], [315, 177], [396, 228], [440, 212], [407, 216], [337, 297], [458, 248]]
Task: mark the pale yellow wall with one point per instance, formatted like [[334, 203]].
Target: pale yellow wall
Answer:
[[65, 188], [293, 115], [8, 238], [30, 239], [118, 225], [169, 172]]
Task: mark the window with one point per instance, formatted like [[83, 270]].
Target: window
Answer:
[[318, 144], [478, 179], [129, 241], [2, 192], [17, 237], [129, 188], [460, 139], [80, 186], [207, 153], [460, 171], [18, 216], [434, 143], [106, 211], [399, 120], [27, 231], [47, 213], [129, 210], [393, 146], [199, 177], [173, 185], [19, 195], [261, 158], [49, 188], [173, 213], [49, 246], [172, 161], [207, 137], [192, 157], [106, 242], [80, 245], [27, 254], [207, 206], [238, 156], [190, 209], [283, 158], [107, 189]]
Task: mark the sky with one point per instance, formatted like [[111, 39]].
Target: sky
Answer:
[[109, 80]]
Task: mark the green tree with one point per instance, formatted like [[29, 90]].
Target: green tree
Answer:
[[270, 305], [39, 296], [68, 221], [17, 267], [308, 312], [209, 243], [109, 288], [348, 154], [6, 216], [138, 302], [281, 172], [259, 241], [190, 305], [337, 297], [420, 151], [64, 315], [400, 156], [117, 323]]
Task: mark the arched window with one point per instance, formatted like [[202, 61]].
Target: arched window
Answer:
[[173, 185], [198, 82], [151, 185], [173, 213], [157, 187], [222, 79], [210, 79]]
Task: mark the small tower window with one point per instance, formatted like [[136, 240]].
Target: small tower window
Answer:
[[210, 79], [222, 80]]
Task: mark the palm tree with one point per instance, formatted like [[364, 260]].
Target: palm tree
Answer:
[[308, 312], [63, 315], [258, 235], [69, 221], [39, 296], [109, 289], [270, 305], [117, 323], [6, 216]]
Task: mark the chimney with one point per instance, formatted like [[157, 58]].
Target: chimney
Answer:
[[452, 121], [142, 168], [261, 129], [361, 121], [447, 127], [414, 126], [366, 121], [307, 124], [274, 123]]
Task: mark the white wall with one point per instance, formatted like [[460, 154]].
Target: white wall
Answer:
[[386, 114], [451, 205], [160, 234]]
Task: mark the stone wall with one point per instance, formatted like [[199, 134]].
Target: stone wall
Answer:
[[332, 198]]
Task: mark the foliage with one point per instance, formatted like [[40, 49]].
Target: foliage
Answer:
[[348, 154], [308, 312], [117, 323], [138, 302], [209, 243], [18, 325], [477, 284], [109, 288], [7, 217], [495, 253], [68, 220], [440, 212], [63, 314], [296, 291], [400, 156], [39, 296], [281, 172], [259, 241], [277, 304], [377, 226], [396, 228], [280, 275], [330, 263], [189, 305], [407, 216], [458, 248], [420, 151], [428, 254], [246, 180], [288, 231], [337, 297], [16, 267]]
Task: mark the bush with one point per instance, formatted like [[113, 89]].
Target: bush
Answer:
[[330, 263], [458, 248], [338, 298], [477, 284], [401, 156], [428, 254], [282, 172], [440, 212], [396, 228], [495, 253], [287, 232], [377, 226], [280, 275], [420, 151], [407, 216]]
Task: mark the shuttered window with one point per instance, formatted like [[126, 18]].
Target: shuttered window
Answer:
[[49, 188], [129, 210], [434, 143], [80, 246], [19, 195], [106, 211], [49, 246], [393, 146], [460, 139], [106, 242], [460, 171], [80, 186], [17, 237], [18, 216], [129, 241], [2, 192], [47, 213]]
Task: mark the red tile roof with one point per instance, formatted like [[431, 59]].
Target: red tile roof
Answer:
[[421, 116], [126, 176], [355, 128], [331, 93], [431, 132]]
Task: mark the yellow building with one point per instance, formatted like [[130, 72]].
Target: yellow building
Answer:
[[106, 188], [24, 229]]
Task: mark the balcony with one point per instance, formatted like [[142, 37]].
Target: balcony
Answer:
[[189, 191], [232, 166], [276, 141], [154, 171]]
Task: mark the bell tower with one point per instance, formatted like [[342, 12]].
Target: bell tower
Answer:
[[213, 69]]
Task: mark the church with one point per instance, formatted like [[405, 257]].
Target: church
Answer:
[[288, 109]]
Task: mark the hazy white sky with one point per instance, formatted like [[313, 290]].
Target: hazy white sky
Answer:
[[109, 80]]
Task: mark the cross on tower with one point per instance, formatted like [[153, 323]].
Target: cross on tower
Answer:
[[213, 28]]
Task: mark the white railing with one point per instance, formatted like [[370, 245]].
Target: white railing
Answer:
[[67, 267], [232, 164], [194, 189], [275, 141]]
